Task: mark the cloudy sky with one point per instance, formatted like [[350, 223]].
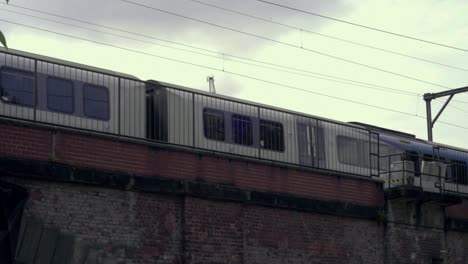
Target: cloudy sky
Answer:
[[216, 44]]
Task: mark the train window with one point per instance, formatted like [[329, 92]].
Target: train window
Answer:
[[60, 95], [17, 86], [96, 101], [353, 151], [242, 130], [457, 172], [213, 124], [271, 135]]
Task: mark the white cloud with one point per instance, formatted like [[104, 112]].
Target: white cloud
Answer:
[[440, 21]]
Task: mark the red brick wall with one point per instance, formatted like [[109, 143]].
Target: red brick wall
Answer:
[[25, 142], [117, 226], [235, 233], [113, 226], [104, 153], [408, 245]]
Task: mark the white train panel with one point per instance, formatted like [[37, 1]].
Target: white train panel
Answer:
[[80, 98], [132, 108], [347, 148], [25, 68], [180, 117]]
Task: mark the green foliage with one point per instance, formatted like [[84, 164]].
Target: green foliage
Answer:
[[3, 40], [2, 37]]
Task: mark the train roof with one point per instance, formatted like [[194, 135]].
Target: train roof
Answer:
[[66, 63], [390, 132], [251, 103], [385, 130], [406, 138], [399, 134]]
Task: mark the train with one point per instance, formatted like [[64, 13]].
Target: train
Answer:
[[66, 94]]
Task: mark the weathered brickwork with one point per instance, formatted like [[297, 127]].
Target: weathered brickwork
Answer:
[[117, 226], [251, 212], [457, 247], [417, 231], [130, 227], [410, 244], [111, 154], [214, 231], [276, 236], [25, 142]]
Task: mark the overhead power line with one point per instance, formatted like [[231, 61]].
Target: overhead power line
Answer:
[[289, 45], [343, 80], [224, 71], [329, 36], [363, 26], [225, 56], [331, 79]]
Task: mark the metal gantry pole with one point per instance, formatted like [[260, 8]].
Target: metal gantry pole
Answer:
[[428, 97], [429, 120]]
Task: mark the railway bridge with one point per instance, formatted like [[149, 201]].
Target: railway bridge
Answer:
[[99, 167], [103, 199]]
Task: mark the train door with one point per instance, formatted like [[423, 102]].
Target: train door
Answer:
[[310, 144], [156, 113], [304, 143]]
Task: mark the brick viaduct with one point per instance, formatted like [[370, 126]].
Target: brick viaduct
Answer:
[[103, 199]]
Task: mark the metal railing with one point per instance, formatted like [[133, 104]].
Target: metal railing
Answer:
[[430, 172], [73, 96]]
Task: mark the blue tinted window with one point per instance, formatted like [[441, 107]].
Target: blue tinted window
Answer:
[[17, 86], [96, 101], [60, 95], [242, 130], [213, 124], [271, 135]]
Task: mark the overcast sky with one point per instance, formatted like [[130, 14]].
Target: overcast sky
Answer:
[[438, 21]]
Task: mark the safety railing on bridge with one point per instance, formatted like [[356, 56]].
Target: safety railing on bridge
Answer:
[[437, 172], [64, 94]]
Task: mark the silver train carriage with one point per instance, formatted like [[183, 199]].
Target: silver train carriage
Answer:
[[58, 92], [62, 93]]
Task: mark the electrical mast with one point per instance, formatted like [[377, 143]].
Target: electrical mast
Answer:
[[430, 96], [210, 80]]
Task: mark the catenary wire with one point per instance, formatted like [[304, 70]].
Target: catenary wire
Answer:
[[203, 54], [287, 44], [362, 26], [343, 81], [225, 71], [328, 36], [207, 50], [225, 55], [339, 39]]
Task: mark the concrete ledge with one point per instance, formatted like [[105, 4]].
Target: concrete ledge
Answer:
[[58, 172]]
